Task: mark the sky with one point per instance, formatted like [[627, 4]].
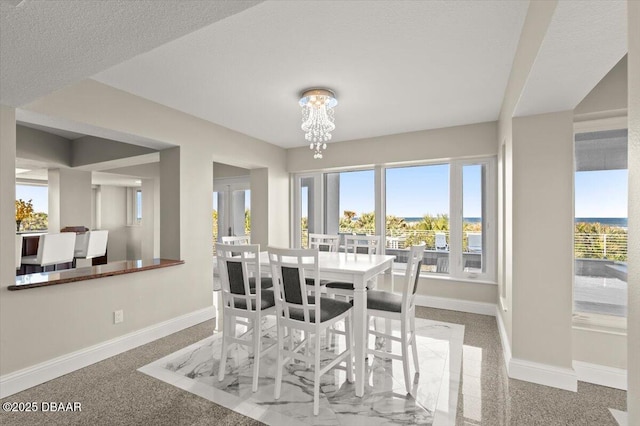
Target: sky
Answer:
[[415, 191], [411, 191]]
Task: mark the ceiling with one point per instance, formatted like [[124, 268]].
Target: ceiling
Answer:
[[395, 66]]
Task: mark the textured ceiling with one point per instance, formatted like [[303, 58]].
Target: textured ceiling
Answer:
[[584, 41], [45, 45], [395, 66]]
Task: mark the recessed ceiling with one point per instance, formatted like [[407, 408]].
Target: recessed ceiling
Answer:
[[54, 131], [395, 66]]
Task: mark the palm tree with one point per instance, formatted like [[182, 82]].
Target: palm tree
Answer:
[[366, 222]]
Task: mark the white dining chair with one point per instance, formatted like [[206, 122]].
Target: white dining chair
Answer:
[[400, 307], [356, 244], [242, 240], [238, 265], [18, 251], [91, 244], [53, 249], [324, 242], [245, 240], [295, 310]]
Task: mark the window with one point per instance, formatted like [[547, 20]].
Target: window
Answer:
[[449, 206], [138, 215], [39, 197], [134, 206], [307, 208], [600, 235], [417, 207], [350, 202], [231, 213]]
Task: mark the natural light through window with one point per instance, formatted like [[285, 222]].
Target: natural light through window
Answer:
[[417, 206], [39, 197], [600, 234]]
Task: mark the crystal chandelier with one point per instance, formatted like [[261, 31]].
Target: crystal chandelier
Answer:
[[317, 118]]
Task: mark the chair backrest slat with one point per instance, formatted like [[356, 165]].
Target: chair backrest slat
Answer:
[[240, 240], [324, 242], [290, 269], [412, 275], [237, 264], [363, 244]]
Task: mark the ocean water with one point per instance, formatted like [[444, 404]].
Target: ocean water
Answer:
[[611, 221], [466, 219]]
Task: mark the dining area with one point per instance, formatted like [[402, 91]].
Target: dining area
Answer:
[[319, 334]]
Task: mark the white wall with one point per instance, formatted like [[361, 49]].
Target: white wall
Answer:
[[543, 238], [533, 32], [69, 195], [85, 311], [609, 95], [113, 217]]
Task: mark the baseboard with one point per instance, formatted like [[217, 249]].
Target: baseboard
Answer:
[[601, 375], [504, 339], [40, 373], [456, 305], [543, 374], [621, 417]]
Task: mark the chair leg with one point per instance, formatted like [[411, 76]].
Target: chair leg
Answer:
[[257, 349], [280, 359], [226, 331], [405, 355], [366, 338], [316, 376], [413, 344], [387, 331], [348, 328]]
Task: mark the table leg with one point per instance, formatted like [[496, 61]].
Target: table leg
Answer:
[[359, 332]]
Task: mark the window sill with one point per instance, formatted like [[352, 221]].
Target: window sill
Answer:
[[398, 272], [600, 323]]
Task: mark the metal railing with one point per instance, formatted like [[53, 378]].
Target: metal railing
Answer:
[[601, 246], [586, 245]]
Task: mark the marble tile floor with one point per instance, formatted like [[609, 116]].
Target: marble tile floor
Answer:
[[113, 392], [433, 398]]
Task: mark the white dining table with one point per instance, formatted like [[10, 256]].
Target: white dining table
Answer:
[[356, 268]]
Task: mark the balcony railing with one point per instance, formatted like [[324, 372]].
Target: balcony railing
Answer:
[[586, 245], [601, 246]]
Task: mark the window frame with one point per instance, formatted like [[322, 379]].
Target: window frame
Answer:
[[610, 324], [489, 213]]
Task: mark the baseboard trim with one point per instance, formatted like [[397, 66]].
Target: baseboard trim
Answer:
[[543, 374], [459, 305], [601, 375], [40, 373], [504, 339]]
